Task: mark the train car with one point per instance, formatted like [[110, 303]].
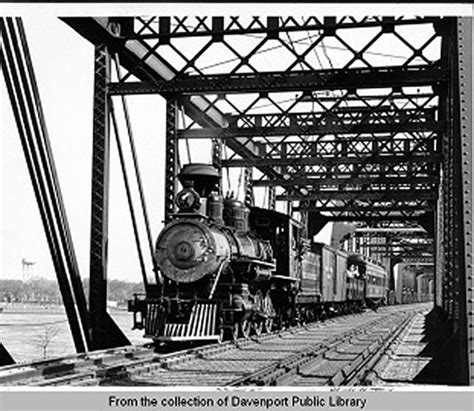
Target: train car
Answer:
[[309, 297], [376, 285], [333, 276], [227, 271], [355, 282], [331, 282]]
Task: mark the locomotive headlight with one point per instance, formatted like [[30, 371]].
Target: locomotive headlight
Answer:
[[188, 200]]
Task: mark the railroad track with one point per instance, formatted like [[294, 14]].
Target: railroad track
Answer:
[[72, 368], [340, 351]]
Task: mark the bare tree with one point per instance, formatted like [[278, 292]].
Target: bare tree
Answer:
[[46, 338]]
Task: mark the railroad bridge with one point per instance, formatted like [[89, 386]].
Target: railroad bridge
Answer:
[[333, 119]]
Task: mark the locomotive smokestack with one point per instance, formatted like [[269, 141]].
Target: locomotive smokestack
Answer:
[[204, 178]]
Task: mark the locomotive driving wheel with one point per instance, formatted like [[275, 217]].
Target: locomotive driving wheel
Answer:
[[235, 331], [265, 313], [268, 324], [269, 313], [222, 332], [257, 326]]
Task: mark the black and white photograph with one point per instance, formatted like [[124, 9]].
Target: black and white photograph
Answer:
[[236, 195]]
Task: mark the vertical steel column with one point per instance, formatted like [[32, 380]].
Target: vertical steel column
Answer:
[[443, 248], [271, 198], [453, 203], [457, 181], [103, 331], [446, 183], [465, 53], [439, 249], [217, 159], [172, 159], [248, 187], [100, 186], [99, 197]]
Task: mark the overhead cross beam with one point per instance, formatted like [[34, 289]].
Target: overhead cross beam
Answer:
[[166, 28], [289, 81], [386, 160], [313, 130], [380, 181], [386, 195]]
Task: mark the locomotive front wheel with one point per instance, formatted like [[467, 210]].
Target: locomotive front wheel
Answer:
[[245, 328], [268, 325], [221, 335], [223, 332], [257, 327]]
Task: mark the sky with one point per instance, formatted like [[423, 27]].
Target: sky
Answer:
[[64, 74], [63, 63]]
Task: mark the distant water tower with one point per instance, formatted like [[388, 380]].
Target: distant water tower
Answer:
[[27, 270]]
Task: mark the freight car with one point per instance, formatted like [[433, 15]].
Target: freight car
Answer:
[[229, 271]]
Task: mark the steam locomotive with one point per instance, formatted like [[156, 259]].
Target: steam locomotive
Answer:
[[227, 271]]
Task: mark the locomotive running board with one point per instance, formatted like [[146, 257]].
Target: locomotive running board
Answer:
[[182, 339]]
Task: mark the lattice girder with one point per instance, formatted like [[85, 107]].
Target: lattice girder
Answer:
[[222, 46], [371, 108], [191, 26]]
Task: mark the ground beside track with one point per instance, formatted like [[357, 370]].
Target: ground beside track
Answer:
[[399, 345]]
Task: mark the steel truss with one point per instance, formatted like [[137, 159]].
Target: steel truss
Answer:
[[364, 111], [330, 122], [332, 127], [389, 244]]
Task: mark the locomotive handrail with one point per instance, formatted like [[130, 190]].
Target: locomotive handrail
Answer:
[[282, 277], [218, 276], [255, 260]]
